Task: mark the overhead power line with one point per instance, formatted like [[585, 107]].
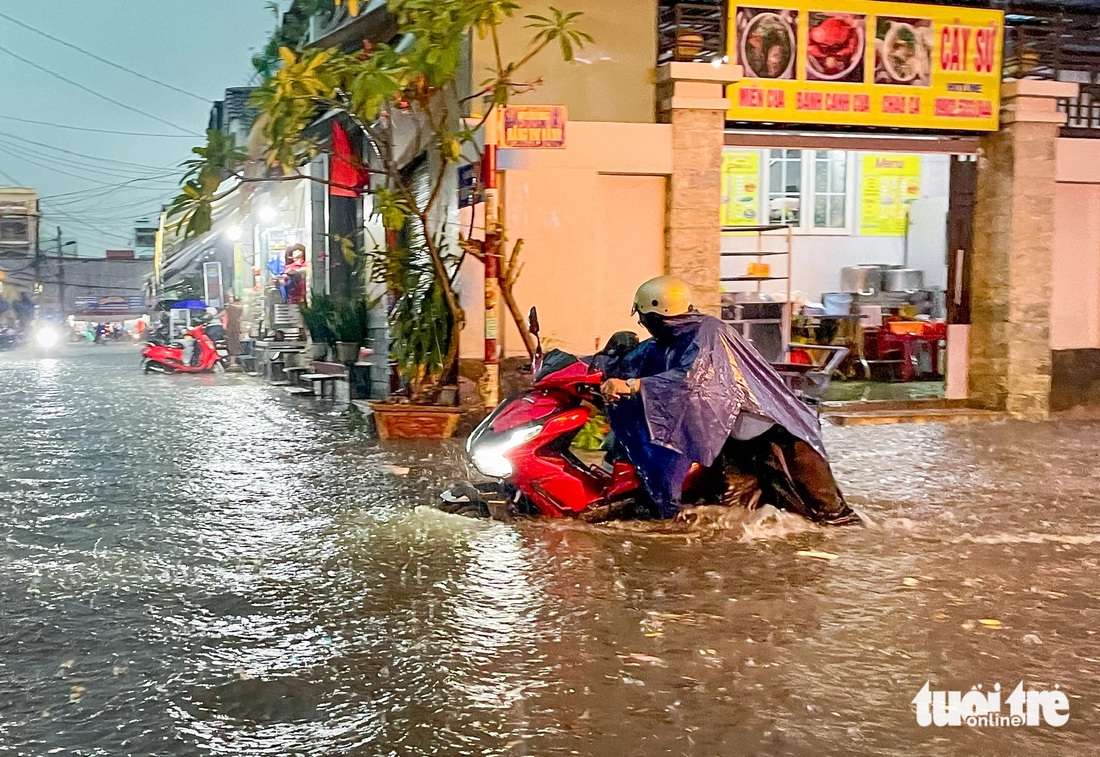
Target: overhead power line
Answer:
[[91, 91], [142, 166], [96, 131], [101, 59], [110, 205], [63, 164], [106, 188], [39, 159]]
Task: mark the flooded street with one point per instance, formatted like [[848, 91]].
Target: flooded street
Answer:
[[201, 565]]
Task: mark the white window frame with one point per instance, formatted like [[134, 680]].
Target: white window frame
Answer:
[[806, 225], [766, 187]]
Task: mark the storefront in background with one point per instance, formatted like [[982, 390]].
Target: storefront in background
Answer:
[[846, 130]]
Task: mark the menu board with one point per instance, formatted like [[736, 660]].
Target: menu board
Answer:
[[888, 184], [867, 63], [740, 187]]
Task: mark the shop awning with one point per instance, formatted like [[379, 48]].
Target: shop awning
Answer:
[[181, 261], [188, 258]]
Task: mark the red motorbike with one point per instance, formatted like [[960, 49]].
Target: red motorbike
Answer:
[[527, 445], [162, 356]]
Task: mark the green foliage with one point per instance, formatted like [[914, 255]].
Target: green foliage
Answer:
[[350, 322], [418, 76], [422, 328], [422, 324], [291, 32], [290, 101], [319, 315], [392, 207], [560, 27], [592, 435], [216, 161], [410, 76]]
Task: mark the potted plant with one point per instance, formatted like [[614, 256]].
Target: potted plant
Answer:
[[319, 315], [422, 342], [350, 326]]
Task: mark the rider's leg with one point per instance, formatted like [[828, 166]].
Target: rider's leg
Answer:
[[661, 470]]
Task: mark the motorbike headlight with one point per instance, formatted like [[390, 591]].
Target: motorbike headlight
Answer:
[[46, 336], [489, 458]]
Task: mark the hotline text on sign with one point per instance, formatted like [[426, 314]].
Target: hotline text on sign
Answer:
[[867, 64]]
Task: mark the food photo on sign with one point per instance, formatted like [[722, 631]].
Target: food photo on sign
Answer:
[[903, 51], [767, 44], [835, 46]]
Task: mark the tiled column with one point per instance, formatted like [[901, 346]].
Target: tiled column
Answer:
[[1011, 278], [692, 99]]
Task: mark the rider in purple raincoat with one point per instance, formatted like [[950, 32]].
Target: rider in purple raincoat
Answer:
[[698, 390]]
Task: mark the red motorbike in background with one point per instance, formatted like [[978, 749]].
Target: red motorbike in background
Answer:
[[163, 356]]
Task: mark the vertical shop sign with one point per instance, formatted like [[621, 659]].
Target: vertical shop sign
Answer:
[[240, 269], [212, 283], [889, 183], [740, 187]]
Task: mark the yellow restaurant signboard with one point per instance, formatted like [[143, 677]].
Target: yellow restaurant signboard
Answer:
[[865, 63]]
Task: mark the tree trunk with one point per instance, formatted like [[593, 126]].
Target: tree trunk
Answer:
[[517, 316]]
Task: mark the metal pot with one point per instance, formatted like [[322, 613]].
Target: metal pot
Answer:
[[861, 279], [902, 280]]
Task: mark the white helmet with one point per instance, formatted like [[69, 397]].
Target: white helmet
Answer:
[[664, 295]]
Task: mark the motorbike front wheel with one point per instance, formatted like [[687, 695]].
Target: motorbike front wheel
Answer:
[[497, 501], [152, 366], [464, 499]]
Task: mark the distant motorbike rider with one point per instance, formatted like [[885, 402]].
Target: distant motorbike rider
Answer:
[[698, 390], [189, 353]]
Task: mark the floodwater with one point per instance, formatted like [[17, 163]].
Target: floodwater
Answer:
[[200, 565]]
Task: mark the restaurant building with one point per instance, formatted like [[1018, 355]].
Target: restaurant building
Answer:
[[888, 177]]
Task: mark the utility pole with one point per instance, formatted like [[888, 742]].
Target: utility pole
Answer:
[[490, 387], [37, 251], [60, 277]]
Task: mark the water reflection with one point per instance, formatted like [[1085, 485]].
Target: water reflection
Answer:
[[193, 565]]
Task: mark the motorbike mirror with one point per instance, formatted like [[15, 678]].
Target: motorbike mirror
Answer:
[[533, 322], [620, 343]]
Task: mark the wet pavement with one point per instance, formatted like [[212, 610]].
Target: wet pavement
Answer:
[[200, 565]]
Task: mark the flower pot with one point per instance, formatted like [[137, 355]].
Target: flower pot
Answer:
[[346, 352], [320, 351], [415, 421]]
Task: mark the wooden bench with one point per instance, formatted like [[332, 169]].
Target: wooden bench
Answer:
[[295, 372], [277, 363], [326, 380]]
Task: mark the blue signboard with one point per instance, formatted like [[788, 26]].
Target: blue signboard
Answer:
[[469, 185]]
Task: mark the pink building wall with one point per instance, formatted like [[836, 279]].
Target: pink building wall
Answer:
[[592, 217], [1075, 302]]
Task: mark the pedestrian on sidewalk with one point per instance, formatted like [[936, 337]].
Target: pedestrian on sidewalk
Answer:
[[232, 318]]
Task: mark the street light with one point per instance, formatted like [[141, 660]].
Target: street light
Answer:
[[233, 233], [266, 214]]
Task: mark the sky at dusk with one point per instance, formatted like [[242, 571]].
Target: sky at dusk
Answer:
[[198, 46]]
